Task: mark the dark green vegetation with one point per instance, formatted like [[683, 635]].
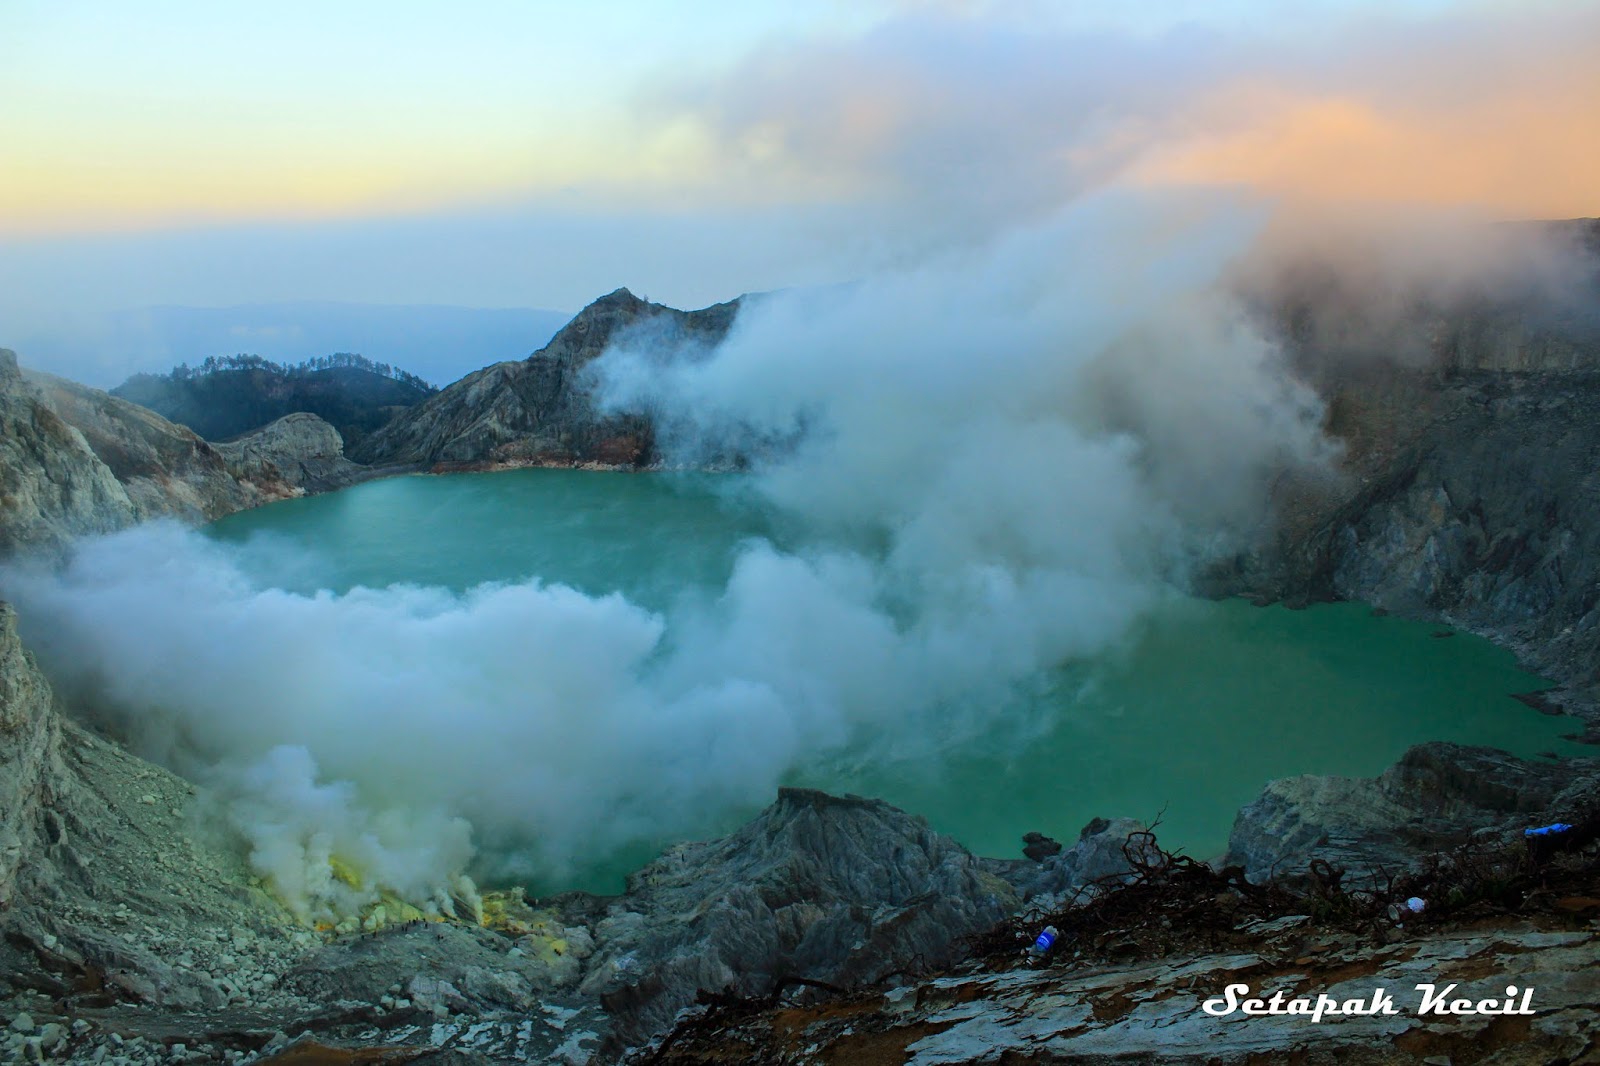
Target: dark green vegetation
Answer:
[[225, 397]]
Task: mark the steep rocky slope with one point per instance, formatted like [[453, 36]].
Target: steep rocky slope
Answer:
[[78, 461], [1468, 488], [131, 931], [540, 411], [1488, 518], [52, 485], [1438, 796], [30, 753]]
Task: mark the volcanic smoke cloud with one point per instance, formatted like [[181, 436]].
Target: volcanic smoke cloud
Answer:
[[1001, 455], [1039, 439]]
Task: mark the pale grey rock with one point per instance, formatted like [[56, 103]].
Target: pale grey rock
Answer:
[[76, 461], [52, 1035], [165, 469], [92, 879], [30, 755], [1098, 855], [52, 485], [301, 450]]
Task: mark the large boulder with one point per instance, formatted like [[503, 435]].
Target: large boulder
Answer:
[[301, 450]]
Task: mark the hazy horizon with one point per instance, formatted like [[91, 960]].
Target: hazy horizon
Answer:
[[496, 155], [438, 343]]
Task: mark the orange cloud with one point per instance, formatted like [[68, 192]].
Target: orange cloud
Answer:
[[1514, 154]]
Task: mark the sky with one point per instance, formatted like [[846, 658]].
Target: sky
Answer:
[[499, 154]]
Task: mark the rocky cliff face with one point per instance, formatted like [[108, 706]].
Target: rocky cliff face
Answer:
[[1468, 490], [540, 411], [78, 461], [1468, 493], [52, 485], [30, 753]]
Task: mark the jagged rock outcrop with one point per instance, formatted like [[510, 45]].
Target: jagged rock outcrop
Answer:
[[1491, 519], [540, 410], [165, 469], [831, 888], [300, 450], [1436, 797]]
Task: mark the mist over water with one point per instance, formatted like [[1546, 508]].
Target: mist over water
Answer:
[[1191, 712], [969, 474]]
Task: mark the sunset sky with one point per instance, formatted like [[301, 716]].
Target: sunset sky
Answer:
[[530, 154]]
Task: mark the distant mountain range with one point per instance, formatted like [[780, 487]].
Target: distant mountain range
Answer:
[[438, 344]]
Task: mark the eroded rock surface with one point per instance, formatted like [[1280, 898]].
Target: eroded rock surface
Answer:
[[832, 888], [52, 485]]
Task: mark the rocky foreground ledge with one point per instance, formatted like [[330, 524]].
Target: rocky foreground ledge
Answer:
[[855, 931]]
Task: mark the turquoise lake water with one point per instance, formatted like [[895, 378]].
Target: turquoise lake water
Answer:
[[1205, 703]]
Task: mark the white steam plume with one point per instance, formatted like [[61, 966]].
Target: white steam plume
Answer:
[[999, 462]]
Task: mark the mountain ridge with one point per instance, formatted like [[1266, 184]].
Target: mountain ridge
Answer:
[[541, 411]]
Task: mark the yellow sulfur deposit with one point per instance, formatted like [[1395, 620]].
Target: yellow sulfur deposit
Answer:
[[507, 911], [343, 871]]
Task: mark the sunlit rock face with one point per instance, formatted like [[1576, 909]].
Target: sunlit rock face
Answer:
[[52, 485], [76, 461]]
